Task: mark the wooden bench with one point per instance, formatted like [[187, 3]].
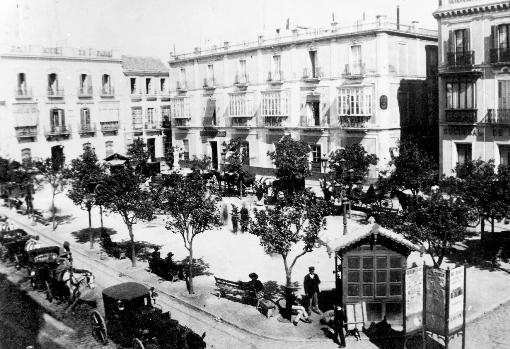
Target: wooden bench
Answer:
[[237, 289]]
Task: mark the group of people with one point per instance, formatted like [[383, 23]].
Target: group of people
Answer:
[[311, 284], [6, 226]]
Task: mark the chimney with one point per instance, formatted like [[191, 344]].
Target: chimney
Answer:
[[225, 45], [260, 39], [398, 17], [334, 26], [414, 25], [381, 20]]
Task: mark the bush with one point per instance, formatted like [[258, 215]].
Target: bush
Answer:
[[224, 213], [245, 219], [199, 266]]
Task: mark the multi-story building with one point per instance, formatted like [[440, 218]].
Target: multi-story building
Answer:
[[330, 88], [148, 104], [59, 100], [474, 81]]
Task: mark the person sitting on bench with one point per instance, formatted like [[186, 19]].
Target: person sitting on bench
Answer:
[[297, 307]]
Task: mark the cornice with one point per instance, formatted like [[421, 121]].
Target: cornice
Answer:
[[471, 10]]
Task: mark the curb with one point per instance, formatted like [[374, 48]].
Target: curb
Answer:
[[177, 299]]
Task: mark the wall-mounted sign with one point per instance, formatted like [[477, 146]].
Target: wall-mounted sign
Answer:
[[213, 133], [383, 102]]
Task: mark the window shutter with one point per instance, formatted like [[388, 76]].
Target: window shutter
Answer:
[[451, 41], [494, 36], [187, 112], [324, 106], [250, 103], [302, 112], [467, 43]]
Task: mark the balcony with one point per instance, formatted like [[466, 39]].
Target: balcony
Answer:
[[55, 93], [166, 123], [241, 81], [137, 126], [136, 95], [109, 127], [275, 122], [496, 117], [460, 59], [58, 131], [87, 129], [355, 70], [354, 121], [181, 123], [275, 77], [26, 132], [242, 123], [164, 95], [209, 122], [311, 127], [151, 95], [312, 75], [209, 84], [23, 93], [85, 92], [182, 86], [152, 126], [462, 116], [499, 55], [107, 92]]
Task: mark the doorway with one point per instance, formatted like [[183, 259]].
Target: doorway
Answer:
[[151, 148], [214, 154], [57, 157]]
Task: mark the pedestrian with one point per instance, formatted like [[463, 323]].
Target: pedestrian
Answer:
[[311, 286], [297, 307], [257, 286], [338, 325], [10, 226], [65, 252]]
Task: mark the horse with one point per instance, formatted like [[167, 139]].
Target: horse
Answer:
[[32, 243], [82, 288], [403, 198]]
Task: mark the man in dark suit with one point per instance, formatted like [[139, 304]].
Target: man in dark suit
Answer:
[[311, 286], [338, 324]]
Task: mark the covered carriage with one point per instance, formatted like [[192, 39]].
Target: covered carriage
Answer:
[[40, 262], [132, 319], [13, 244]]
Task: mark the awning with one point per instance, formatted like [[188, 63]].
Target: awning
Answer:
[[26, 115]]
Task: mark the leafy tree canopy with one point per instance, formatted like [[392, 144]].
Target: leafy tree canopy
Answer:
[[350, 165], [291, 158], [86, 173]]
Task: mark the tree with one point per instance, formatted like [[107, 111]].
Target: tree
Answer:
[[138, 154], [291, 161], [86, 173], [435, 223], [192, 209], [121, 192], [201, 164], [483, 189], [290, 228], [53, 172], [350, 164], [413, 168], [236, 162]]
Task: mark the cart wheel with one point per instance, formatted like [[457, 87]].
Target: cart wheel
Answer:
[[386, 203], [49, 293], [98, 328], [137, 344]]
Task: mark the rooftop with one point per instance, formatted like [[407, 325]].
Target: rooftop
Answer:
[[143, 66], [301, 34], [465, 7], [58, 52]]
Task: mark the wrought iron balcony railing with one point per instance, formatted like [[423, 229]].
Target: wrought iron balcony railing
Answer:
[[241, 79], [466, 116], [209, 83], [353, 121], [241, 123], [60, 130], [26, 132], [495, 117], [55, 93], [356, 69], [460, 59], [312, 75], [275, 122], [275, 76], [23, 93], [182, 86], [181, 123], [107, 91], [166, 123], [86, 128], [152, 125], [85, 92], [109, 126]]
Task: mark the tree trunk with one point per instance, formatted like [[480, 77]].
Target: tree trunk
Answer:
[[54, 225], [101, 215], [132, 237], [492, 225], [91, 237], [288, 290], [190, 270], [482, 223]]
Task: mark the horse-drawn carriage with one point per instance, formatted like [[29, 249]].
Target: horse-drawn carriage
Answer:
[[132, 319], [13, 244], [165, 268]]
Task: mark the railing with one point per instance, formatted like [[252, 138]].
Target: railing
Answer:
[[152, 125], [353, 121], [109, 126], [23, 93], [182, 85], [275, 76], [60, 130], [86, 128], [62, 51], [151, 94], [459, 59], [26, 131], [184, 123], [497, 117], [209, 83], [55, 93], [137, 126], [499, 55], [355, 69], [278, 122], [85, 92], [241, 79], [107, 91], [166, 124], [311, 75], [136, 94], [240, 122], [164, 94], [467, 116], [209, 121]]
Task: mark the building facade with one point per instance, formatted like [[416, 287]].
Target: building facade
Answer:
[[474, 81], [148, 108], [60, 100], [330, 88]]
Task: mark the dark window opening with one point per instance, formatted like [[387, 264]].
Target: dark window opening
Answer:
[[313, 63], [464, 153], [133, 85]]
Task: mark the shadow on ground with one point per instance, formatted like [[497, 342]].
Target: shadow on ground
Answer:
[[82, 236]]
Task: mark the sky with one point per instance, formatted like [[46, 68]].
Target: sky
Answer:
[[156, 27]]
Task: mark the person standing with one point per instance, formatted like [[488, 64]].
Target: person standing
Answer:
[[311, 286], [257, 286], [338, 324]]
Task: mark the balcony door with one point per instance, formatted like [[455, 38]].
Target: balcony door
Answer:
[[53, 83], [57, 119], [85, 118], [151, 149], [355, 60], [504, 94], [214, 154], [57, 156]]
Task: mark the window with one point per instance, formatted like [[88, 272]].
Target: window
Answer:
[[22, 84], [163, 85], [106, 83], [459, 48], [26, 154], [313, 113], [461, 43], [504, 94], [52, 84], [460, 95], [313, 63], [356, 63], [316, 157], [277, 68], [180, 108], [242, 76], [241, 104], [136, 114], [57, 118], [210, 73], [463, 153], [245, 153], [84, 81], [185, 144], [133, 85], [150, 116], [165, 113], [402, 59], [85, 117], [210, 112], [275, 103], [504, 154], [503, 36], [108, 146], [182, 77], [355, 101], [148, 86]]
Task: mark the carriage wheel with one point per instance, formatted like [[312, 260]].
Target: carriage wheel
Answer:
[[385, 203], [98, 328], [473, 218], [137, 344], [49, 293]]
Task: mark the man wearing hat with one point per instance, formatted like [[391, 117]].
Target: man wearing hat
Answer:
[[257, 286], [311, 286]]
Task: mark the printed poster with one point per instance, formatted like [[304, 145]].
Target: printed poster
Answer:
[[414, 299], [456, 309], [435, 300]]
